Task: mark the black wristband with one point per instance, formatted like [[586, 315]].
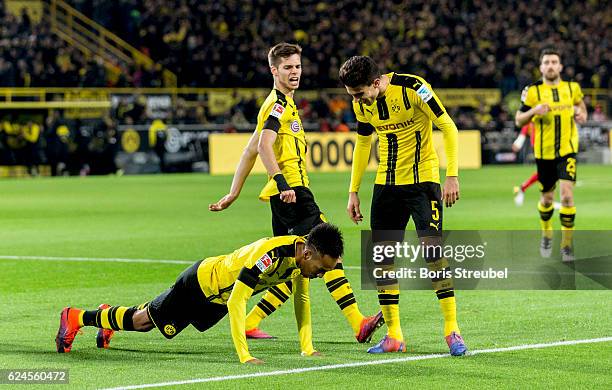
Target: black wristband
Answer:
[[281, 183]]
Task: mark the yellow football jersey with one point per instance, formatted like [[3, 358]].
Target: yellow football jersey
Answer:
[[279, 113], [260, 265], [555, 132], [403, 119]]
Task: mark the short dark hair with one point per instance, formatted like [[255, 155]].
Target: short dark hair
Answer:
[[282, 50], [358, 71], [549, 51], [327, 240]]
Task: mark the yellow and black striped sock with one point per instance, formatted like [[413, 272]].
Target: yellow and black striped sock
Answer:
[[342, 292], [546, 213], [113, 318], [445, 291], [389, 305], [272, 300], [567, 215]]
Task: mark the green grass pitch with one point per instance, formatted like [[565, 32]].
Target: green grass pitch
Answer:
[[166, 217]]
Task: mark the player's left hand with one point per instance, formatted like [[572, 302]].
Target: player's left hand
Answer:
[[223, 203], [314, 353], [288, 196], [450, 192], [580, 116]]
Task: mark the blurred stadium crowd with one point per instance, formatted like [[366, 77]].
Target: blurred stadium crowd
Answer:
[[467, 44], [478, 43]]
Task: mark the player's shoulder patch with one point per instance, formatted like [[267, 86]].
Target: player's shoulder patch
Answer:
[[264, 262], [524, 93], [407, 80]]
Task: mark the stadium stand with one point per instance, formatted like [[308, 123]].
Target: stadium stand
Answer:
[[77, 59], [213, 43]]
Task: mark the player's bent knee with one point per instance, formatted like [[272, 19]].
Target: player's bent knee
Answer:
[[142, 321]]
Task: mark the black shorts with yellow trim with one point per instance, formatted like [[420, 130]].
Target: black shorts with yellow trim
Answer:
[[394, 205], [184, 304], [551, 171], [295, 218]]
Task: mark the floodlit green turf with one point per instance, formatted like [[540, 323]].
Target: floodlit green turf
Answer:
[[166, 217]]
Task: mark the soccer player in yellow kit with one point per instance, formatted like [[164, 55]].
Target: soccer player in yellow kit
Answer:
[[400, 108], [280, 141], [211, 288], [554, 106]]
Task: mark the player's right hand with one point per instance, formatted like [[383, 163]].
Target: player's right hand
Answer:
[[352, 209], [223, 203], [541, 109], [254, 361], [288, 196]]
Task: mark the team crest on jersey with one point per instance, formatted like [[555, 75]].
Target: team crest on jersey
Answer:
[[295, 126], [395, 107], [277, 110], [424, 93], [264, 262]]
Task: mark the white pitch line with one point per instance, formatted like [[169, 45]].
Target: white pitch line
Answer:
[[96, 259], [114, 260], [360, 364]]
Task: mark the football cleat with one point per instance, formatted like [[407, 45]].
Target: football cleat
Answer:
[[257, 333], [567, 254], [68, 329], [388, 344], [519, 196], [456, 344], [104, 335], [545, 247], [369, 325]]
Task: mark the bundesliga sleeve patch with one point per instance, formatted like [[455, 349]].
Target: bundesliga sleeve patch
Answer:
[[264, 262], [524, 94], [424, 93], [277, 111]]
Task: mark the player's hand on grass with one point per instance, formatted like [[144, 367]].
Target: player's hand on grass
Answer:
[[313, 353], [254, 361], [541, 109], [353, 210], [288, 196], [223, 203], [450, 192]]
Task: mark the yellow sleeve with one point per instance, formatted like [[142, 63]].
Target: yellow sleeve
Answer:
[[451, 144], [236, 307], [301, 305], [426, 100], [576, 92], [361, 157], [528, 97]]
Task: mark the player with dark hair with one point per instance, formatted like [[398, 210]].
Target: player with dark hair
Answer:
[[554, 106], [280, 141], [401, 108], [211, 288]]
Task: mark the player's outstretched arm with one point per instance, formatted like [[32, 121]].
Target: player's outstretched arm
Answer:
[[266, 151], [236, 307], [247, 160], [450, 191], [301, 305], [361, 156]]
